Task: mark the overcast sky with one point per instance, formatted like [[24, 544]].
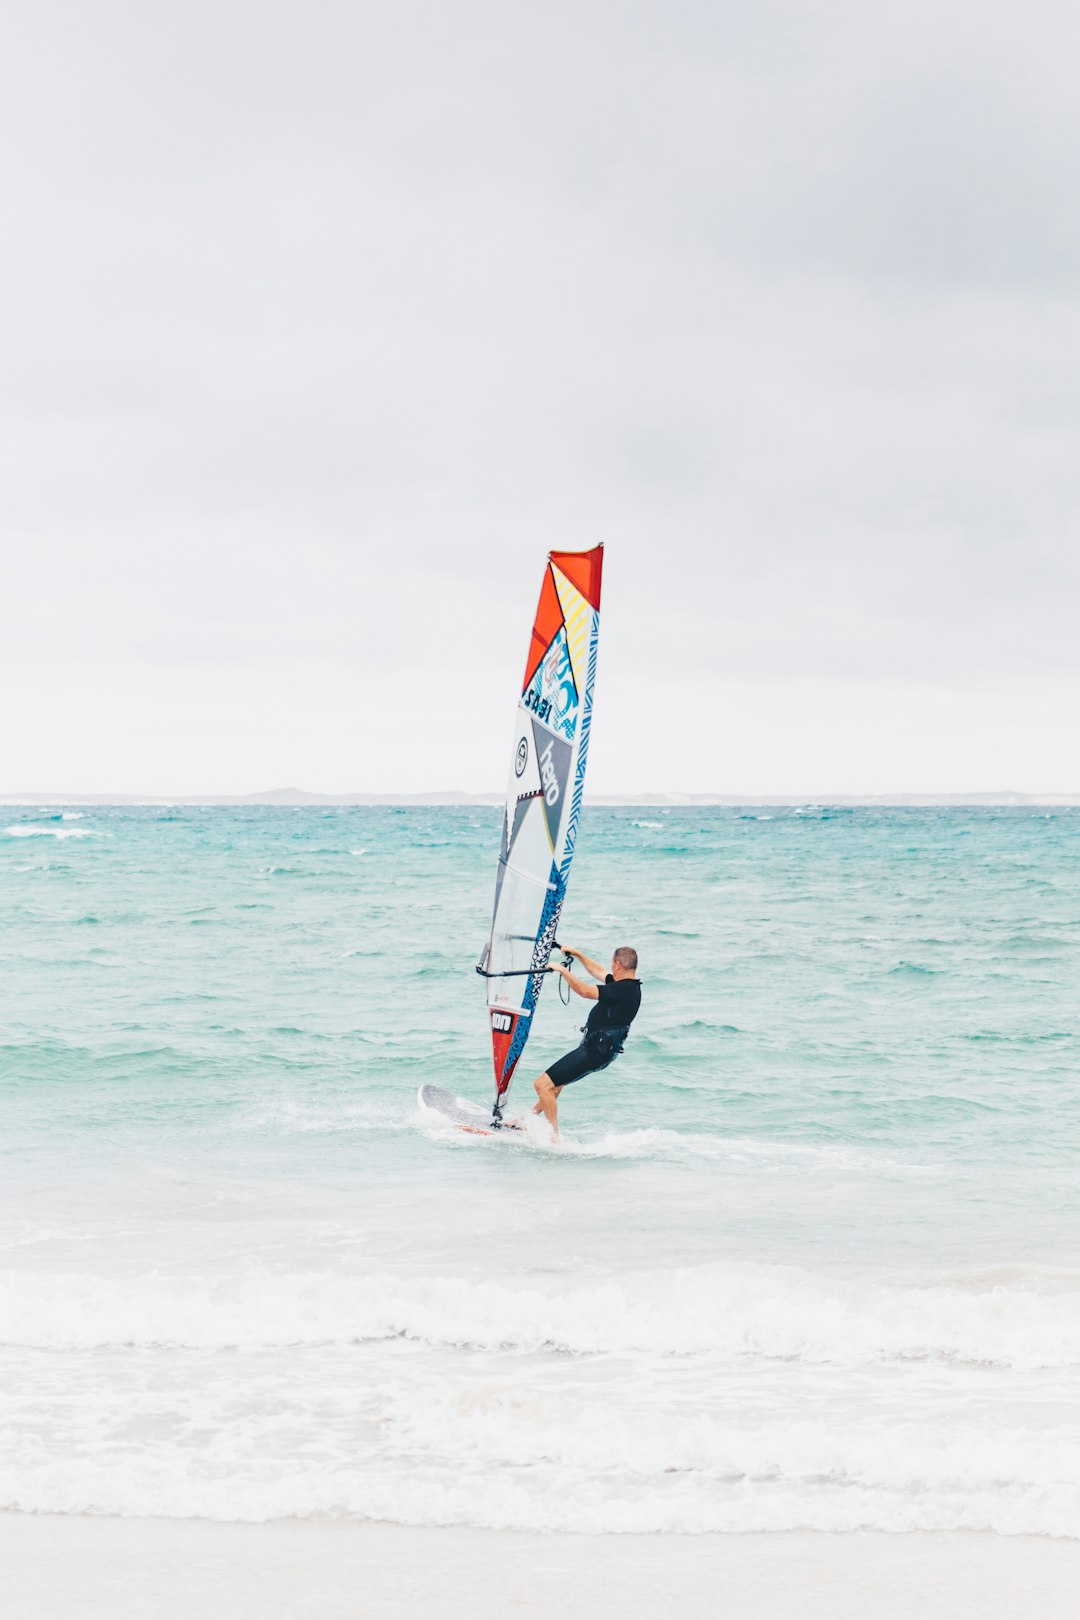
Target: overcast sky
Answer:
[[321, 323]]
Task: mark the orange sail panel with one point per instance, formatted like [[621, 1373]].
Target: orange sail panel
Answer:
[[543, 800], [582, 569], [545, 625]]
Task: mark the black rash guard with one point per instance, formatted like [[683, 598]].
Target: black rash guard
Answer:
[[617, 1005], [616, 1008]]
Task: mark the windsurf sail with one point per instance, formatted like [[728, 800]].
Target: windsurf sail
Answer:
[[543, 800]]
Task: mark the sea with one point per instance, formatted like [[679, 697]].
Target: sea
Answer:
[[807, 1255]]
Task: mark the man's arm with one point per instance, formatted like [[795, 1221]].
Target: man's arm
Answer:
[[587, 962], [578, 986]]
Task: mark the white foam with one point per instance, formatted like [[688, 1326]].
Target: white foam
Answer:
[[249, 1438], [726, 1397], [655, 1142], [290, 1115], [727, 1309]]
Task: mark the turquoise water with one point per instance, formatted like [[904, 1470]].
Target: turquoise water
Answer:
[[829, 1193]]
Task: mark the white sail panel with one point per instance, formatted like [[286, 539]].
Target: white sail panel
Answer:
[[543, 800]]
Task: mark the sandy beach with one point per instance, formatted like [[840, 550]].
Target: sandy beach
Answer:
[[57, 1568]]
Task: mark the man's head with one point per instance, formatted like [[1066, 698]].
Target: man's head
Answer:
[[624, 963]]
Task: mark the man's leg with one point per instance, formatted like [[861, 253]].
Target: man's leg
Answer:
[[548, 1102]]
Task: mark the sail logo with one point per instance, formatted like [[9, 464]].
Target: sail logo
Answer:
[[559, 687], [540, 706], [549, 780], [552, 694], [501, 1023]]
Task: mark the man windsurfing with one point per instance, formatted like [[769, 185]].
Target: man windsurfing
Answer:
[[617, 999]]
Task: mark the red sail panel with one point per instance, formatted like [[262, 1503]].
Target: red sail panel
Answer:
[[500, 1047], [583, 569]]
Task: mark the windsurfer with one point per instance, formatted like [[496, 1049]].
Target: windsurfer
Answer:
[[617, 999]]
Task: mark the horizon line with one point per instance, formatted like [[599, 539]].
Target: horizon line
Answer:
[[298, 798]]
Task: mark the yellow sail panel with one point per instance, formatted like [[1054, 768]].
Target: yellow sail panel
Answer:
[[576, 618]]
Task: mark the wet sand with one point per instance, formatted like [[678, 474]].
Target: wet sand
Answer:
[[68, 1568]]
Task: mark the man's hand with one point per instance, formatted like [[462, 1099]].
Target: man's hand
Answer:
[[587, 962]]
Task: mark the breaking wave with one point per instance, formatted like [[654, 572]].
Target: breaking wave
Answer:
[[732, 1309]]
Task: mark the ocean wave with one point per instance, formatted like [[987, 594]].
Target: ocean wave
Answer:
[[23, 829], [724, 1309]]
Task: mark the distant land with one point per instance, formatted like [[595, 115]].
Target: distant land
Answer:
[[297, 797]]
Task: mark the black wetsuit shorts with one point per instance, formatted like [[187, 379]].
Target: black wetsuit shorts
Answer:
[[597, 1050]]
